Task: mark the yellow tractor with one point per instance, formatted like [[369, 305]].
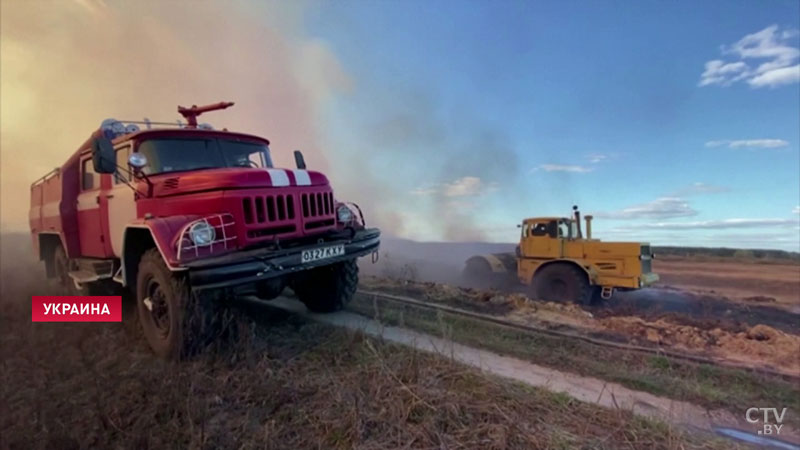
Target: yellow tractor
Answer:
[[558, 263]]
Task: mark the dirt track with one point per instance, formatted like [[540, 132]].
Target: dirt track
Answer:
[[750, 283], [586, 389]]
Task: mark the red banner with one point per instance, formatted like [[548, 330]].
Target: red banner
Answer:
[[58, 308]]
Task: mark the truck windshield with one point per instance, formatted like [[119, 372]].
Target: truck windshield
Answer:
[[176, 154]]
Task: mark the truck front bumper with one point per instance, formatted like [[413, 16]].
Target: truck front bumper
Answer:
[[251, 266]]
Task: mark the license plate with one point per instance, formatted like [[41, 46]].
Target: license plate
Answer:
[[317, 254]]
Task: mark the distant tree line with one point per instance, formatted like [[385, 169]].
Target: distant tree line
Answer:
[[722, 252]]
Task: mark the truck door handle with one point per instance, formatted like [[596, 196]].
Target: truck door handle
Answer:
[[110, 196]]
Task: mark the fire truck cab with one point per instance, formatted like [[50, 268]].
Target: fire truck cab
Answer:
[[174, 212]]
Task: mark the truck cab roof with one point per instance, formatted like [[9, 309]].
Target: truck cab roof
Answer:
[[543, 219], [186, 132]]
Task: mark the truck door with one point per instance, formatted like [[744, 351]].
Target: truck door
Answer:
[[90, 219], [121, 202]]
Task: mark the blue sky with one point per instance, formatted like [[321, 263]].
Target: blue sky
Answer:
[[472, 115], [673, 122]]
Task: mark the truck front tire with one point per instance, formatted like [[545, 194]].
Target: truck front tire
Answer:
[[176, 322], [327, 288]]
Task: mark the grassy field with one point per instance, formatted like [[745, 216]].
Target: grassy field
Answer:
[[285, 383], [709, 386]]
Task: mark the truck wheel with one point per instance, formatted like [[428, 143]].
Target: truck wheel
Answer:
[[562, 283], [174, 321], [63, 281], [328, 288]]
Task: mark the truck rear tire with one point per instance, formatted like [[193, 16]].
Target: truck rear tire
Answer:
[[327, 288], [563, 283], [63, 281], [175, 322]]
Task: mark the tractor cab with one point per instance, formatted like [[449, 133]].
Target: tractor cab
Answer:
[[549, 228], [544, 236]]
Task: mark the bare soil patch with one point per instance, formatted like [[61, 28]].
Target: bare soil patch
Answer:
[[737, 281], [726, 339]]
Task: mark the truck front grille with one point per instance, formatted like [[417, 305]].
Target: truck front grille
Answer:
[[317, 204], [285, 214], [268, 209]]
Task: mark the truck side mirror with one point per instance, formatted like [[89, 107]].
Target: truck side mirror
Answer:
[[299, 160], [103, 157]]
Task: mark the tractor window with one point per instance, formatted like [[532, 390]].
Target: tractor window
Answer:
[[89, 178], [552, 229], [525, 229], [540, 229], [563, 229]]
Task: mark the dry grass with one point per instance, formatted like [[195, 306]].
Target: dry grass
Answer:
[[705, 385], [287, 384]]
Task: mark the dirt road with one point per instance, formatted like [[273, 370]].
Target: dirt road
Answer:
[[586, 389]]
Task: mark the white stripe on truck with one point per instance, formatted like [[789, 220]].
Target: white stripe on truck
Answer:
[[301, 177], [279, 177]]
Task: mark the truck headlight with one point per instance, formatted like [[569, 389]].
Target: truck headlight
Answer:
[[202, 233], [344, 214]]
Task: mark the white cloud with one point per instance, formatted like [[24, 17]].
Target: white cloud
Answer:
[[563, 168], [717, 72], [660, 208], [595, 158], [777, 77], [699, 188], [757, 143], [771, 53], [715, 224], [796, 209], [425, 190], [462, 187]]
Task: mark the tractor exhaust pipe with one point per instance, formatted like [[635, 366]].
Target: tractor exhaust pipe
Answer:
[[589, 226], [578, 220]]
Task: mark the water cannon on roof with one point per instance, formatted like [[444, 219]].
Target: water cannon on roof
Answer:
[[190, 114]]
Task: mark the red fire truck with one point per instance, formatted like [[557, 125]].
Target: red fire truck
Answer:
[[171, 212]]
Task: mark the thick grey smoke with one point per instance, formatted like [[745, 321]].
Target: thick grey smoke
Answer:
[[427, 171]]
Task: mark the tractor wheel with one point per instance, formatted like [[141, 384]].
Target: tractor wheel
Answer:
[[327, 288], [478, 273], [176, 322], [563, 283]]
